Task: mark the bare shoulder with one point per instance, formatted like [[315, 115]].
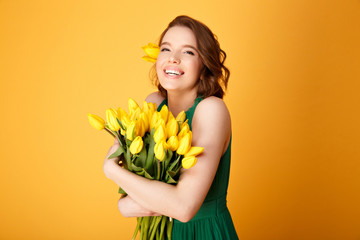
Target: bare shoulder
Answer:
[[155, 97], [213, 107]]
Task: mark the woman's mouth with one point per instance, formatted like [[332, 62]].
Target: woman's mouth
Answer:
[[172, 72]]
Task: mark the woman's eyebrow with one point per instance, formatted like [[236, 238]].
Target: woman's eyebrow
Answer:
[[186, 45]]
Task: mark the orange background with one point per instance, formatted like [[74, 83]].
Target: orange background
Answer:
[[293, 96]]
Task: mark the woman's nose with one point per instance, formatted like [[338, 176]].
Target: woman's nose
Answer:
[[174, 59]]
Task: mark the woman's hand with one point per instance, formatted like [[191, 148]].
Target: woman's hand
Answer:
[[129, 208], [109, 164]]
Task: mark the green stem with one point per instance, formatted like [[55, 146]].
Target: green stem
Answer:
[[158, 170], [139, 220]]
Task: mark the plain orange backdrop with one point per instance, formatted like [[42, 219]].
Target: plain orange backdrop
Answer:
[[293, 96]]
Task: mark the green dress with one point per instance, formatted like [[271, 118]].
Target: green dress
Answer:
[[213, 220]]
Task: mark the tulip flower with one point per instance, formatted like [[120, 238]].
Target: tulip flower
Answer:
[[96, 121], [188, 162], [160, 134], [152, 51], [152, 106], [132, 105], [170, 117], [185, 144], [136, 145], [145, 120], [173, 143], [130, 131], [164, 112], [139, 128], [160, 150], [194, 151], [135, 114], [123, 117], [184, 129], [111, 116], [154, 119], [172, 128], [181, 117]]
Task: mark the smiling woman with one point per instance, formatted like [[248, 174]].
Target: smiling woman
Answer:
[[191, 77]]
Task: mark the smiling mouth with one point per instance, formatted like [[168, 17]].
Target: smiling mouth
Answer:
[[173, 72]]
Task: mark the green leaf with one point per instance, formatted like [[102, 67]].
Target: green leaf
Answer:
[[135, 168], [121, 191], [117, 153]]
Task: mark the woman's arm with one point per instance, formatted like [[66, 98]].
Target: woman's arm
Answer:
[[129, 208], [211, 130]]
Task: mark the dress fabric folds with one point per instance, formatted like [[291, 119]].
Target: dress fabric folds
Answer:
[[213, 220]]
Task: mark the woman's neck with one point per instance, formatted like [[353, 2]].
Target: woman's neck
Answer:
[[178, 102]]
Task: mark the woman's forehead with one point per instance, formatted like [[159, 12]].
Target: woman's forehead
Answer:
[[179, 35]]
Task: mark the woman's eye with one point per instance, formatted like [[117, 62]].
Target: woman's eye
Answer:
[[189, 52], [164, 49]]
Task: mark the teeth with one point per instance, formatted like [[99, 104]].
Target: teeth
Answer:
[[172, 72]]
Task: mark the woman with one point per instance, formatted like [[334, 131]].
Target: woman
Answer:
[[190, 77]]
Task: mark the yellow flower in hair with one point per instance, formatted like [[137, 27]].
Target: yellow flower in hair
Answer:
[[152, 51]]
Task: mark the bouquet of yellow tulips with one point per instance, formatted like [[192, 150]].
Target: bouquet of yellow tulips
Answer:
[[154, 145]]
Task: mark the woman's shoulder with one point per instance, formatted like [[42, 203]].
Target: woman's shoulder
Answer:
[[213, 108], [213, 104], [155, 97]]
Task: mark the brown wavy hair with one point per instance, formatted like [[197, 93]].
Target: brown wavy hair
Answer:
[[214, 76]]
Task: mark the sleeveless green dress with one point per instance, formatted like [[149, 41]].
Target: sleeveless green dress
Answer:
[[213, 220]]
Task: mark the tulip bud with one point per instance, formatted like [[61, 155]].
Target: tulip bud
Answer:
[[188, 162], [160, 150], [184, 129], [136, 145], [152, 51], [111, 116], [173, 143], [130, 131], [170, 117], [194, 151], [145, 120], [160, 134], [185, 144], [140, 128], [96, 121], [124, 117], [164, 112], [172, 128], [154, 119], [152, 106], [181, 117], [132, 105]]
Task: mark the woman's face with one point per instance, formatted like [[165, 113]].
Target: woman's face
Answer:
[[179, 65]]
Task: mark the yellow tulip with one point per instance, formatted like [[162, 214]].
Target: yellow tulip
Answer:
[[132, 105], [194, 151], [159, 122], [124, 117], [170, 117], [145, 120], [111, 116], [139, 128], [185, 144], [164, 112], [152, 51], [173, 143], [96, 121], [153, 106], [160, 134], [145, 107], [188, 162], [172, 128], [136, 145], [130, 131], [160, 150], [184, 129], [154, 119], [135, 114], [181, 117]]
